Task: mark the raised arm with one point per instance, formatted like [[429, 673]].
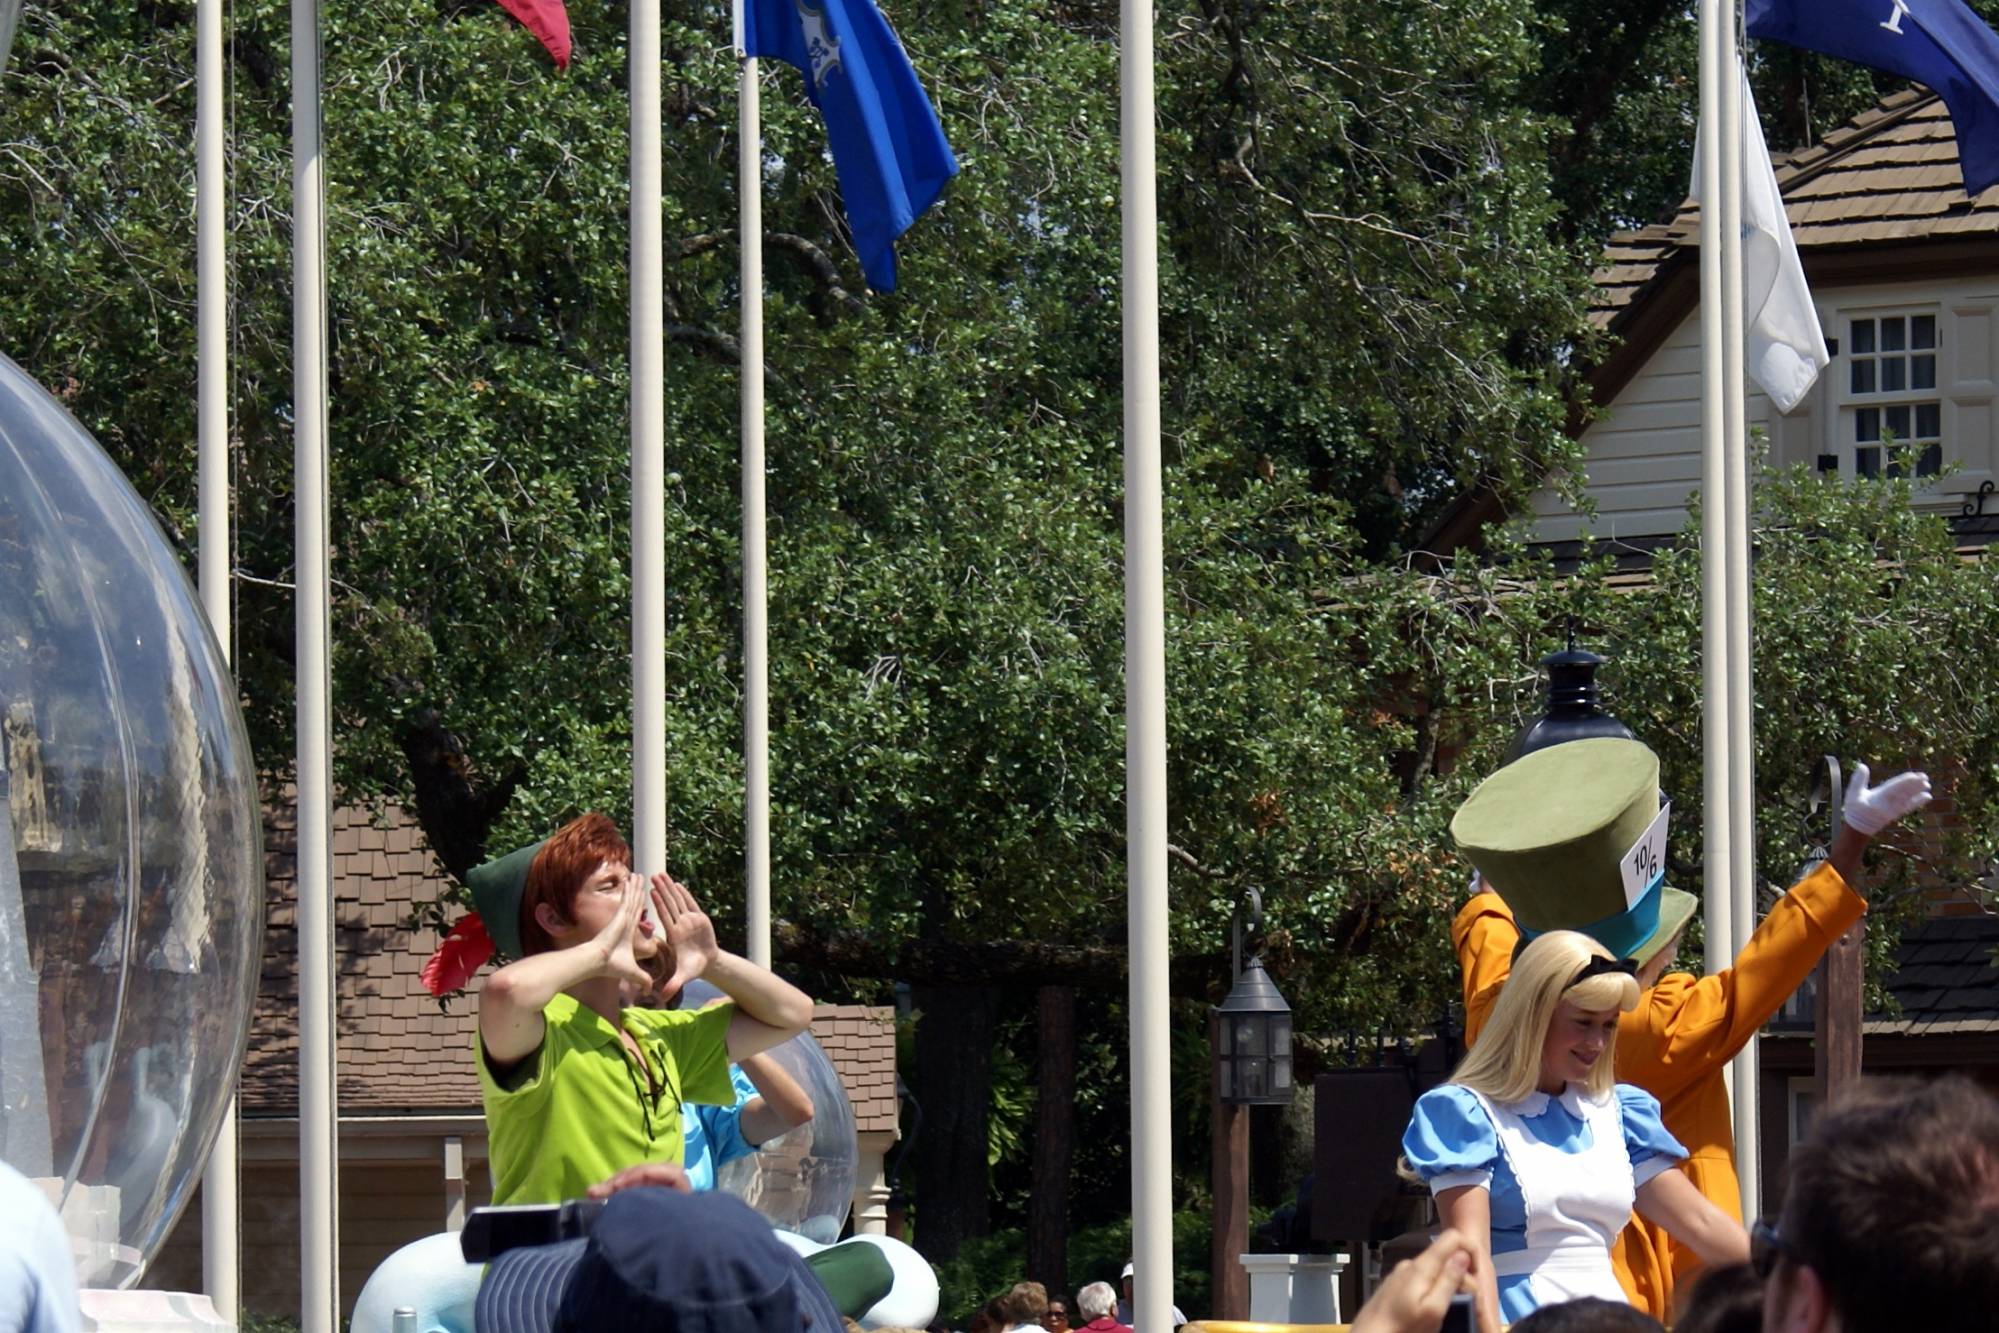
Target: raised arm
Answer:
[[1467, 1210], [510, 1003], [780, 1104], [1670, 1200], [769, 1009]]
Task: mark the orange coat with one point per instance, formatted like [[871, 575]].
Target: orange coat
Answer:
[[1676, 1043]]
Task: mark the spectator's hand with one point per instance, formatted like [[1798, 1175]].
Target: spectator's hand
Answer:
[[670, 1175], [1415, 1296], [1868, 809], [689, 933]]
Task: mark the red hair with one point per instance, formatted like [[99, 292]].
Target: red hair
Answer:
[[559, 870]]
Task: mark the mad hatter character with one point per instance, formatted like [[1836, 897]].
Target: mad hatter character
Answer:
[[1549, 835]]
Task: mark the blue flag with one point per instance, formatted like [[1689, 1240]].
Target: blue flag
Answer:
[[888, 149], [1940, 43]]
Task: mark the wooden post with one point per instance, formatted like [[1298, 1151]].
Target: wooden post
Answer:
[[1836, 1039], [1836, 1016], [1229, 1175]]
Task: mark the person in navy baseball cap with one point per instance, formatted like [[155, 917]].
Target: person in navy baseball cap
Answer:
[[660, 1261]]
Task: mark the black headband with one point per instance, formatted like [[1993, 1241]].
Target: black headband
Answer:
[[1597, 967]]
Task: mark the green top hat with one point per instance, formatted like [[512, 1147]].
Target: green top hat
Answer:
[[497, 887], [1548, 833]]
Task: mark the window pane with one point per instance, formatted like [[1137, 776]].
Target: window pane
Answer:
[[1867, 462], [1898, 423], [1929, 423], [1922, 372], [1931, 461], [1867, 424], [1891, 334], [1923, 331], [1863, 336], [1863, 377], [1894, 373], [1828, 463]]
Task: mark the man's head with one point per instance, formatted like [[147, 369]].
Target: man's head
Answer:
[[1096, 1301], [1891, 1215], [1025, 1303], [1588, 1315], [586, 853]]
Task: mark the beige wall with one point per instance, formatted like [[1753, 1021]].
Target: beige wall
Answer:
[[384, 1205], [1643, 450]]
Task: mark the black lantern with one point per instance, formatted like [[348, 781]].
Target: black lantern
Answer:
[[1573, 712], [1253, 1050]]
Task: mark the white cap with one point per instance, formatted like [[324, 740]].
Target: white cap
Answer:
[[1125, 1274]]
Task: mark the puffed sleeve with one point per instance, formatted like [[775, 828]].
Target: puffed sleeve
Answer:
[[1652, 1149], [1450, 1140]]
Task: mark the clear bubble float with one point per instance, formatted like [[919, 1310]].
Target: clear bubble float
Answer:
[[803, 1180], [131, 863]]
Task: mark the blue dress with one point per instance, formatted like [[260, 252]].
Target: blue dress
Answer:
[[713, 1135], [1551, 1240]]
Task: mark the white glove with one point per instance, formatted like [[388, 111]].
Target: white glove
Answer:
[[1871, 809]]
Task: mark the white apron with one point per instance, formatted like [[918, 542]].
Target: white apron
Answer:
[[1576, 1203]]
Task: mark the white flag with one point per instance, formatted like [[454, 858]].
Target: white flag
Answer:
[[1783, 347]]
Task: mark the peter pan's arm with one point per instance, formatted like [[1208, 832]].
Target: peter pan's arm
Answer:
[[780, 1104]]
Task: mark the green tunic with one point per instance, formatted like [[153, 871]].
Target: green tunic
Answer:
[[578, 1111]]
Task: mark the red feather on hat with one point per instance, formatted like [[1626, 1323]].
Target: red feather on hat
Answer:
[[465, 949], [547, 20]]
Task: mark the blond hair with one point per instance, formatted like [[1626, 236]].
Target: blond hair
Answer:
[[1505, 1063]]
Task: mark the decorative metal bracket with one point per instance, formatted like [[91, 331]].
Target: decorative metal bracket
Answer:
[[1975, 506]]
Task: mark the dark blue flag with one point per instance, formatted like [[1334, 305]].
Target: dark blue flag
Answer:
[[1936, 42], [888, 149]]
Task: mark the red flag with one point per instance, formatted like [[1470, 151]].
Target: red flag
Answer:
[[465, 949], [548, 21]]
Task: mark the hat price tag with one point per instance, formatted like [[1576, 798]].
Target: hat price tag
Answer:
[[1645, 864]]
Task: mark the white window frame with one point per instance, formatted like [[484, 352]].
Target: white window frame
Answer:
[[1848, 405]]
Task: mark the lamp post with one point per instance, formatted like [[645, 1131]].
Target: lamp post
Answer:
[[1573, 713], [1250, 1034]]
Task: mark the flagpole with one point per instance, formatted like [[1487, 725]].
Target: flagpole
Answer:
[[1145, 690], [756, 610], [1741, 719], [648, 370], [317, 1110], [219, 1187], [1717, 863]]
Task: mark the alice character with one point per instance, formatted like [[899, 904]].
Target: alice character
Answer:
[[1538, 1155]]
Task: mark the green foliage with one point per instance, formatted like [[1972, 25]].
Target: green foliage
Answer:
[[1374, 247]]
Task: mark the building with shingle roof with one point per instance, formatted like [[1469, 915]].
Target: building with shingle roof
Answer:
[[412, 1154], [1904, 270]]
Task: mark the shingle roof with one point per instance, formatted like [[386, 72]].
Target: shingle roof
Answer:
[[1945, 979], [398, 1050], [1890, 174], [860, 1039]]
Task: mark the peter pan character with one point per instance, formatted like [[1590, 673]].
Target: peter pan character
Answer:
[[1520, 829], [577, 1086]]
